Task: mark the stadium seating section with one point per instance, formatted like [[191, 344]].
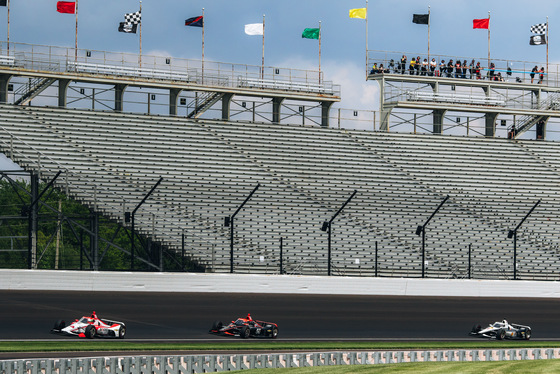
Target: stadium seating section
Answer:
[[111, 160]]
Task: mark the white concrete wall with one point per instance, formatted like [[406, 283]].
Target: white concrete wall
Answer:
[[200, 282]]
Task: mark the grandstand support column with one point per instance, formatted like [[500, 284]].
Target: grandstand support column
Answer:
[[384, 115], [490, 120], [119, 96], [276, 105], [4, 83], [94, 241], [540, 128], [226, 103], [33, 222], [62, 92], [173, 96], [325, 110], [438, 115]]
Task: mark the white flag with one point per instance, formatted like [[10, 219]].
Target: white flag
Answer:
[[254, 29]]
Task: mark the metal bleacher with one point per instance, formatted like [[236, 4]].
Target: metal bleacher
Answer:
[[110, 160]]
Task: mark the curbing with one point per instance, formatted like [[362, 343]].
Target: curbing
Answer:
[[221, 363]]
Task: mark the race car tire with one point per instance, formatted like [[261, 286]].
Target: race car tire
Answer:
[[527, 334], [122, 332], [476, 329], [217, 325], [59, 325], [245, 332], [274, 332], [90, 332], [501, 334]]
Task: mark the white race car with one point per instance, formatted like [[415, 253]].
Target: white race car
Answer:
[[502, 330], [91, 327]]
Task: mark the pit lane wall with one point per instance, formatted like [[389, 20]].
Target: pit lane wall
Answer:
[[220, 363], [62, 280]]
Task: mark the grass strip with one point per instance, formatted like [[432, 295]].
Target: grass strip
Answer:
[[271, 346], [496, 367]]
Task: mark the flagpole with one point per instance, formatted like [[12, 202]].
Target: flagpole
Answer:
[[262, 66], [76, 41], [319, 52], [8, 36], [367, 15], [488, 39], [547, 72], [429, 20], [202, 45], [140, 25]]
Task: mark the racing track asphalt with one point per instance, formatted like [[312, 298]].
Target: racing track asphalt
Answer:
[[185, 316]]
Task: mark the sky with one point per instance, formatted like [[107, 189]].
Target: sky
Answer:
[[343, 39]]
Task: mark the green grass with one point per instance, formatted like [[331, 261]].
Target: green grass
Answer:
[[497, 367], [120, 345]]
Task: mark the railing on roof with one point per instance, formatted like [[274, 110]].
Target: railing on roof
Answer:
[[510, 70], [63, 59]]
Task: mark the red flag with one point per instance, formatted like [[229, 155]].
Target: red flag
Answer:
[[66, 7], [481, 23]]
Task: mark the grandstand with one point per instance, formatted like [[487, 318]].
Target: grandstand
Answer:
[[110, 159], [305, 173]]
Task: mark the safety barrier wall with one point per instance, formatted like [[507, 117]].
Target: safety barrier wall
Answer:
[[220, 363], [62, 280]]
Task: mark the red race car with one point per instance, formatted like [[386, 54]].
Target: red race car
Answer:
[[91, 327], [246, 328]]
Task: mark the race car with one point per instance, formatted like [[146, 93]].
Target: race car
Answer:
[[91, 327], [246, 328], [502, 330]]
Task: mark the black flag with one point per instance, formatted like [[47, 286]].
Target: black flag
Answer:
[[537, 40], [128, 27], [422, 19], [3, 2]]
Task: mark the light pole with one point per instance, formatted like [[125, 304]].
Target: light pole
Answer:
[[327, 227], [513, 233], [229, 222], [422, 230]]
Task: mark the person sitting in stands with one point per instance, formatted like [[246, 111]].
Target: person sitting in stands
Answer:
[[433, 65], [425, 67], [374, 69], [381, 69]]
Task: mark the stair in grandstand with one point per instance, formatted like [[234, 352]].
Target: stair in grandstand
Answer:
[[527, 122], [31, 90], [204, 102]]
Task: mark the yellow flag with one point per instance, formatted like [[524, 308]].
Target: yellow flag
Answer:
[[358, 13]]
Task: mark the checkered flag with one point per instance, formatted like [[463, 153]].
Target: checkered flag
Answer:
[[539, 28], [133, 18]]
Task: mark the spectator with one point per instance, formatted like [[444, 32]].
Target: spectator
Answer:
[[391, 66], [491, 71], [442, 68], [471, 69], [512, 132], [541, 74], [382, 70], [533, 72], [464, 75], [417, 65], [477, 71], [450, 69], [411, 66], [458, 68], [509, 72], [374, 69], [433, 65], [402, 66], [425, 67]]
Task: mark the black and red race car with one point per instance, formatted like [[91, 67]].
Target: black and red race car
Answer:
[[246, 328]]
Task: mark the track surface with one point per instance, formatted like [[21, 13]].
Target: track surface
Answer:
[[186, 316]]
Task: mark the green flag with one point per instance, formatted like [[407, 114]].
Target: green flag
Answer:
[[310, 34]]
